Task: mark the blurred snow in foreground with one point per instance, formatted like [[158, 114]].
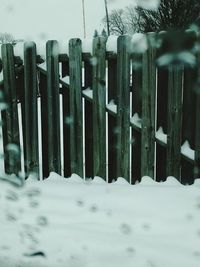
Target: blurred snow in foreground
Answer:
[[73, 223]]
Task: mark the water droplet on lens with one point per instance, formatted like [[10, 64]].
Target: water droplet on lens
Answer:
[[42, 221], [125, 228]]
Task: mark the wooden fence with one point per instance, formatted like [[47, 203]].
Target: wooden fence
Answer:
[[127, 97]]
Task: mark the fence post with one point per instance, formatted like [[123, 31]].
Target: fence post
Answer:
[[197, 140], [197, 122], [44, 125], [10, 120], [51, 113], [76, 113], [30, 110], [148, 110], [99, 107], [88, 74], [66, 126], [162, 103], [123, 107], [162, 100], [188, 125], [112, 120], [188, 121], [136, 108], [174, 120]]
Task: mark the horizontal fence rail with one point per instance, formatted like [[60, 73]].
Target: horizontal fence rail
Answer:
[[129, 113]]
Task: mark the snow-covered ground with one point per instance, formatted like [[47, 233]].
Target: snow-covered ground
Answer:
[[76, 223]]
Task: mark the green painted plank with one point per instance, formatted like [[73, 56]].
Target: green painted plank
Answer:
[[112, 121], [44, 122], [123, 107], [52, 140], [162, 106], [174, 121], [197, 140], [1, 65], [99, 107], [66, 125], [148, 110], [136, 108], [162, 99], [76, 112], [10, 115], [89, 170], [188, 124], [197, 121], [30, 110]]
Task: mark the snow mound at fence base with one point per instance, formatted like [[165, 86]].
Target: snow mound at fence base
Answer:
[[71, 222]]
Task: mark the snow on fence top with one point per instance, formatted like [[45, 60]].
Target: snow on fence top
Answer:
[[87, 45], [111, 45], [138, 45]]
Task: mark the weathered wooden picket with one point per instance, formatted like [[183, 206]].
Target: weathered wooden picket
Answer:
[[113, 106]]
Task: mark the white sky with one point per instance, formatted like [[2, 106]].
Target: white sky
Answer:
[[48, 19]]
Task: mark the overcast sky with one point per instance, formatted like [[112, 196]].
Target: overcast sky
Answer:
[[53, 19]]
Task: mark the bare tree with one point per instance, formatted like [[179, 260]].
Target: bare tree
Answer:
[[117, 22], [7, 38], [170, 15]]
